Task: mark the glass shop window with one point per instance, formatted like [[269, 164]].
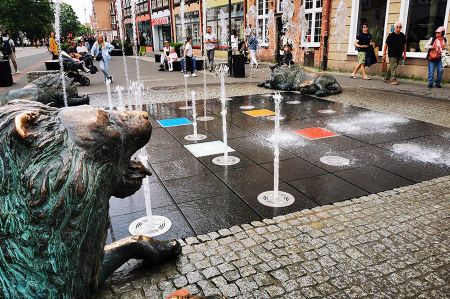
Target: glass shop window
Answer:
[[373, 12]]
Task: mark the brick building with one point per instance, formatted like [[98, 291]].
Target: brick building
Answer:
[[103, 18]]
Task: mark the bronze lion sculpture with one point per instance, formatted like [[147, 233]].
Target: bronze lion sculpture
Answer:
[[48, 90], [58, 169], [296, 78]]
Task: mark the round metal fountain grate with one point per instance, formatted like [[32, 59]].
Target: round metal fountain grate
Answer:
[[284, 199], [335, 160], [185, 107], [205, 118], [226, 161], [295, 102], [150, 226], [247, 107], [327, 111], [195, 137]]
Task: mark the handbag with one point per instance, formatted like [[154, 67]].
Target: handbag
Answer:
[[99, 56], [445, 58], [434, 55]]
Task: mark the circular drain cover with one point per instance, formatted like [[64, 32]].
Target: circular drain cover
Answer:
[[185, 107], [195, 137], [205, 118], [248, 107], [226, 99], [226, 161], [295, 102], [272, 117], [150, 226], [284, 199], [327, 111], [335, 160]]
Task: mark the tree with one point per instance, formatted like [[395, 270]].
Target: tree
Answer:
[[32, 17], [85, 30], [69, 21]]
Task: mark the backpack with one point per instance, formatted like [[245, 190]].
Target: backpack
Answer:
[[6, 48]]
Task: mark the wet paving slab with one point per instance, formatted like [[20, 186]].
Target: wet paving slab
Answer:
[[370, 152]]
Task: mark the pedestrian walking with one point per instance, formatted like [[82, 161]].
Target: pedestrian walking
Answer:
[[253, 46], [9, 50], [189, 59], [142, 45], [395, 46], [435, 46], [53, 46], [210, 46], [363, 42], [101, 51]]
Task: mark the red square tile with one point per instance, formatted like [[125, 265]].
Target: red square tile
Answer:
[[315, 133]]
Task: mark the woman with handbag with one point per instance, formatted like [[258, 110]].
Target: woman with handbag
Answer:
[[435, 46], [100, 50]]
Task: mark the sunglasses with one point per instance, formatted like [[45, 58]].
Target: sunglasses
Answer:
[[398, 26]]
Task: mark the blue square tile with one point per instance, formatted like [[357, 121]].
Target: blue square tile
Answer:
[[173, 122]]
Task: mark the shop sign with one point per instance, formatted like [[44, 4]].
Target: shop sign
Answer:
[[160, 21]]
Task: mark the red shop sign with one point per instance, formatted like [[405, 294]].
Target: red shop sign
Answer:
[[160, 21]]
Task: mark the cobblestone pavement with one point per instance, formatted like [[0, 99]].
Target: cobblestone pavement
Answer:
[[395, 244]]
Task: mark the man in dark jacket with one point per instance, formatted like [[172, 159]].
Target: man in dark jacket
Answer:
[[396, 47]]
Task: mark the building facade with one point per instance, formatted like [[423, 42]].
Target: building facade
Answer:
[[324, 33], [103, 18], [420, 18]]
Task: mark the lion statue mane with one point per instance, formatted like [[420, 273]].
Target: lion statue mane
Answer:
[[57, 173]]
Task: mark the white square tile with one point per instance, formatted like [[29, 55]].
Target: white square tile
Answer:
[[207, 148]]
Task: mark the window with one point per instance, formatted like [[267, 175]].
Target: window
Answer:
[[213, 20], [262, 8], [424, 17], [146, 29], [191, 21], [313, 14]]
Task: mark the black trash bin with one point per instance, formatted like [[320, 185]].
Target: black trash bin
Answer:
[[238, 62], [5, 73]]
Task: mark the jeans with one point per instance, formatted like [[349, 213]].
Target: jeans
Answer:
[[210, 55], [435, 65], [190, 62], [253, 60], [104, 67], [391, 72]]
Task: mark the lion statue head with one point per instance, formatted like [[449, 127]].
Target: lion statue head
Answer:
[[58, 169]]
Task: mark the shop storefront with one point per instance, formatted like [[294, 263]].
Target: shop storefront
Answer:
[[420, 19], [161, 29], [237, 20], [145, 29], [161, 23], [192, 25]]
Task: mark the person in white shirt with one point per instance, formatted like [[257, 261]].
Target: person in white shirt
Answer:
[[81, 49], [165, 56], [210, 45], [234, 41], [189, 58]]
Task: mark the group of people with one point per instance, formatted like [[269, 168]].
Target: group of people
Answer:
[[188, 60], [395, 48], [99, 48]]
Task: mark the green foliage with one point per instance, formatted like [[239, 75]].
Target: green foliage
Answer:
[[69, 21], [33, 17], [85, 30], [377, 35]]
